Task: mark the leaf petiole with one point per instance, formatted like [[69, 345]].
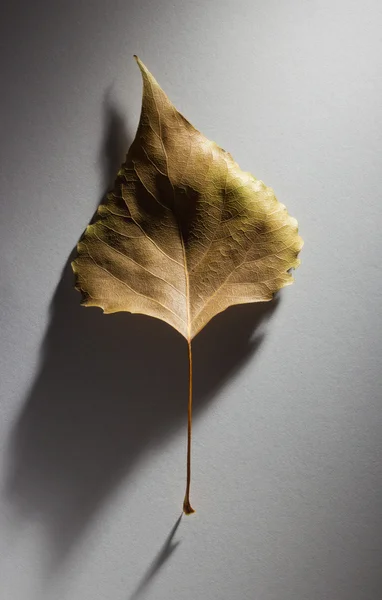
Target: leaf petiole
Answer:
[[187, 508]]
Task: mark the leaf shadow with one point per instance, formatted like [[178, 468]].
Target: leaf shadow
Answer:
[[110, 388], [116, 140]]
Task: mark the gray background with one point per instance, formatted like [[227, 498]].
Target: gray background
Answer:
[[287, 436]]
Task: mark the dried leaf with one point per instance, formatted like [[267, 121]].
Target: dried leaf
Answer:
[[185, 233]]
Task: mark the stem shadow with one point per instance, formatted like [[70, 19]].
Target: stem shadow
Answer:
[[160, 559]]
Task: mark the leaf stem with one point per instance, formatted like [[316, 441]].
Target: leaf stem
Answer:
[[187, 508]]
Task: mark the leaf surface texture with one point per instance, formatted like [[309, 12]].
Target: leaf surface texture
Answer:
[[185, 233]]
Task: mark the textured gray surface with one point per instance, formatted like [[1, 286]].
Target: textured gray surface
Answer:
[[287, 436]]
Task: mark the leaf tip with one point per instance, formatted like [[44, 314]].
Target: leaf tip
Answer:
[[144, 70], [140, 63]]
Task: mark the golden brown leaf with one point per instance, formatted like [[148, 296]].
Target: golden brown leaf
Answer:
[[185, 233]]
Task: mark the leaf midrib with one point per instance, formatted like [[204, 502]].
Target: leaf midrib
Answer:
[[178, 225]]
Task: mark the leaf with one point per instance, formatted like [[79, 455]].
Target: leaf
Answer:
[[185, 233]]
